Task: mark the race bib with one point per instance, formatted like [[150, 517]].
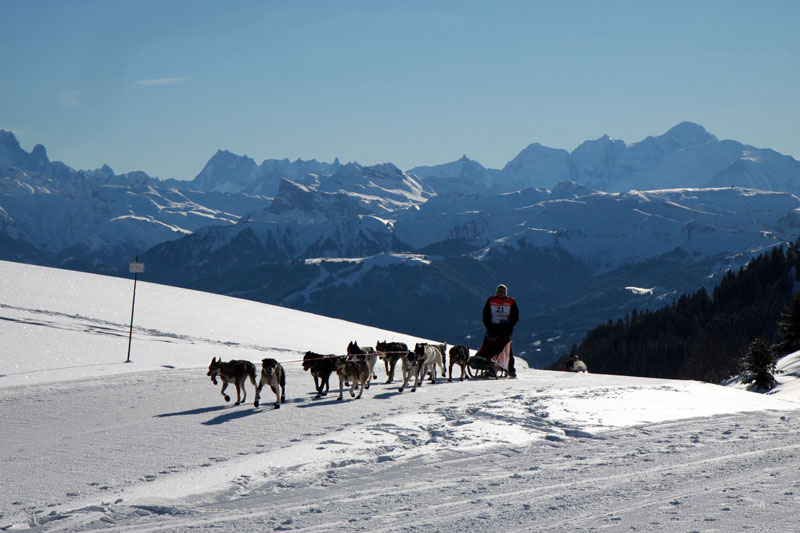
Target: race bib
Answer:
[[500, 309]]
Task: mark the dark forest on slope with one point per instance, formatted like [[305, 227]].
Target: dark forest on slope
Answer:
[[699, 336]]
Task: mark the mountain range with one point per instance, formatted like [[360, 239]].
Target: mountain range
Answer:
[[685, 156], [580, 237]]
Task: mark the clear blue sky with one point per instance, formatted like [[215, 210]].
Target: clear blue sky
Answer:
[[161, 85]]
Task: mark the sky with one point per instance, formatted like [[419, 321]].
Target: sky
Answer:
[[161, 86], [90, 442]]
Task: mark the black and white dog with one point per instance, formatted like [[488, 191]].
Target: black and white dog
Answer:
[[273, 375]]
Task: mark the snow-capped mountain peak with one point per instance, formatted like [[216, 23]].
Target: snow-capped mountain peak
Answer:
[[688, 134]]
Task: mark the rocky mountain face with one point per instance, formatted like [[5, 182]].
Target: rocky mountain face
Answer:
[[580, 237], [231, 173]]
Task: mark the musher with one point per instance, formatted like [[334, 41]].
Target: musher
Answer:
[[500, 315]]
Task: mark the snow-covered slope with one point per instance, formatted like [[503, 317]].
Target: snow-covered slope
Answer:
[[787, 374], [90, 442], [601, 230], [352, 189], [605, 230], [110, 223], [98, 217]]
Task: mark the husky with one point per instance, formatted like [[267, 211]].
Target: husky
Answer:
[[321, 367], [272, 373], [366, 354], [459, 355], [234, 371], [354, 371], [391, 353], [410, 367], [430, 355]]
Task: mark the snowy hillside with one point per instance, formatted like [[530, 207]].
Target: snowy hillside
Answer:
[[79, 218], [604, 230], [90, 442]]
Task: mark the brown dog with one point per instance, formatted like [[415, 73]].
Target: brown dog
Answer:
[[234, 371], [459, 355], [354, 371]]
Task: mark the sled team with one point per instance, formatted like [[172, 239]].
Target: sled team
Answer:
[[357, 369]]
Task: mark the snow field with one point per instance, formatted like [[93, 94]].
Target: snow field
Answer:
[[92, 443]]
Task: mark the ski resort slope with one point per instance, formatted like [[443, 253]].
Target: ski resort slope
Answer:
[[90, 442]]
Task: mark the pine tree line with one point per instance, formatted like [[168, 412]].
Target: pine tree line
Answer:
[[705, 337]]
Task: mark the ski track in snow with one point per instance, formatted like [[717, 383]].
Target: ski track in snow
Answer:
[[84, 324]]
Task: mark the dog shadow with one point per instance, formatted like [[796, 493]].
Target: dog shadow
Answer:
[[231, 416], [330, 399], [198, 411], [390, 394]]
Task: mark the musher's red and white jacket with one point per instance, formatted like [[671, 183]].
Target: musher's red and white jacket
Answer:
[[500, 315]]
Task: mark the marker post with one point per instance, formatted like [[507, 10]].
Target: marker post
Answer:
[[136, 267]]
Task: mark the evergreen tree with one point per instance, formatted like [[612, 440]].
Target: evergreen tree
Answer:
[[704, 336], [758, 366], [789, 328]]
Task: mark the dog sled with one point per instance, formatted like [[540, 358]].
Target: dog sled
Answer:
[[492, 358]]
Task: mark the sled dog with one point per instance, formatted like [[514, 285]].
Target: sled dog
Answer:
[[366, 354], [430, 356], [273, 375], [390, 353], [410, 367], [459, 355], [234, 371], [354, 371], [321, 367]]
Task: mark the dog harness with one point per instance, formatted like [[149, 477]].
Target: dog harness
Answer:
[[500, 309]]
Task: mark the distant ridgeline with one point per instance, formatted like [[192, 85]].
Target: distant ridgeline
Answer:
[[697, 336]]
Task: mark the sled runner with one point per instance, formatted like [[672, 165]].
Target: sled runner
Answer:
[[492, 358]]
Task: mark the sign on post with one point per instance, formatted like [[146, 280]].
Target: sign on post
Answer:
[[136, 268]]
